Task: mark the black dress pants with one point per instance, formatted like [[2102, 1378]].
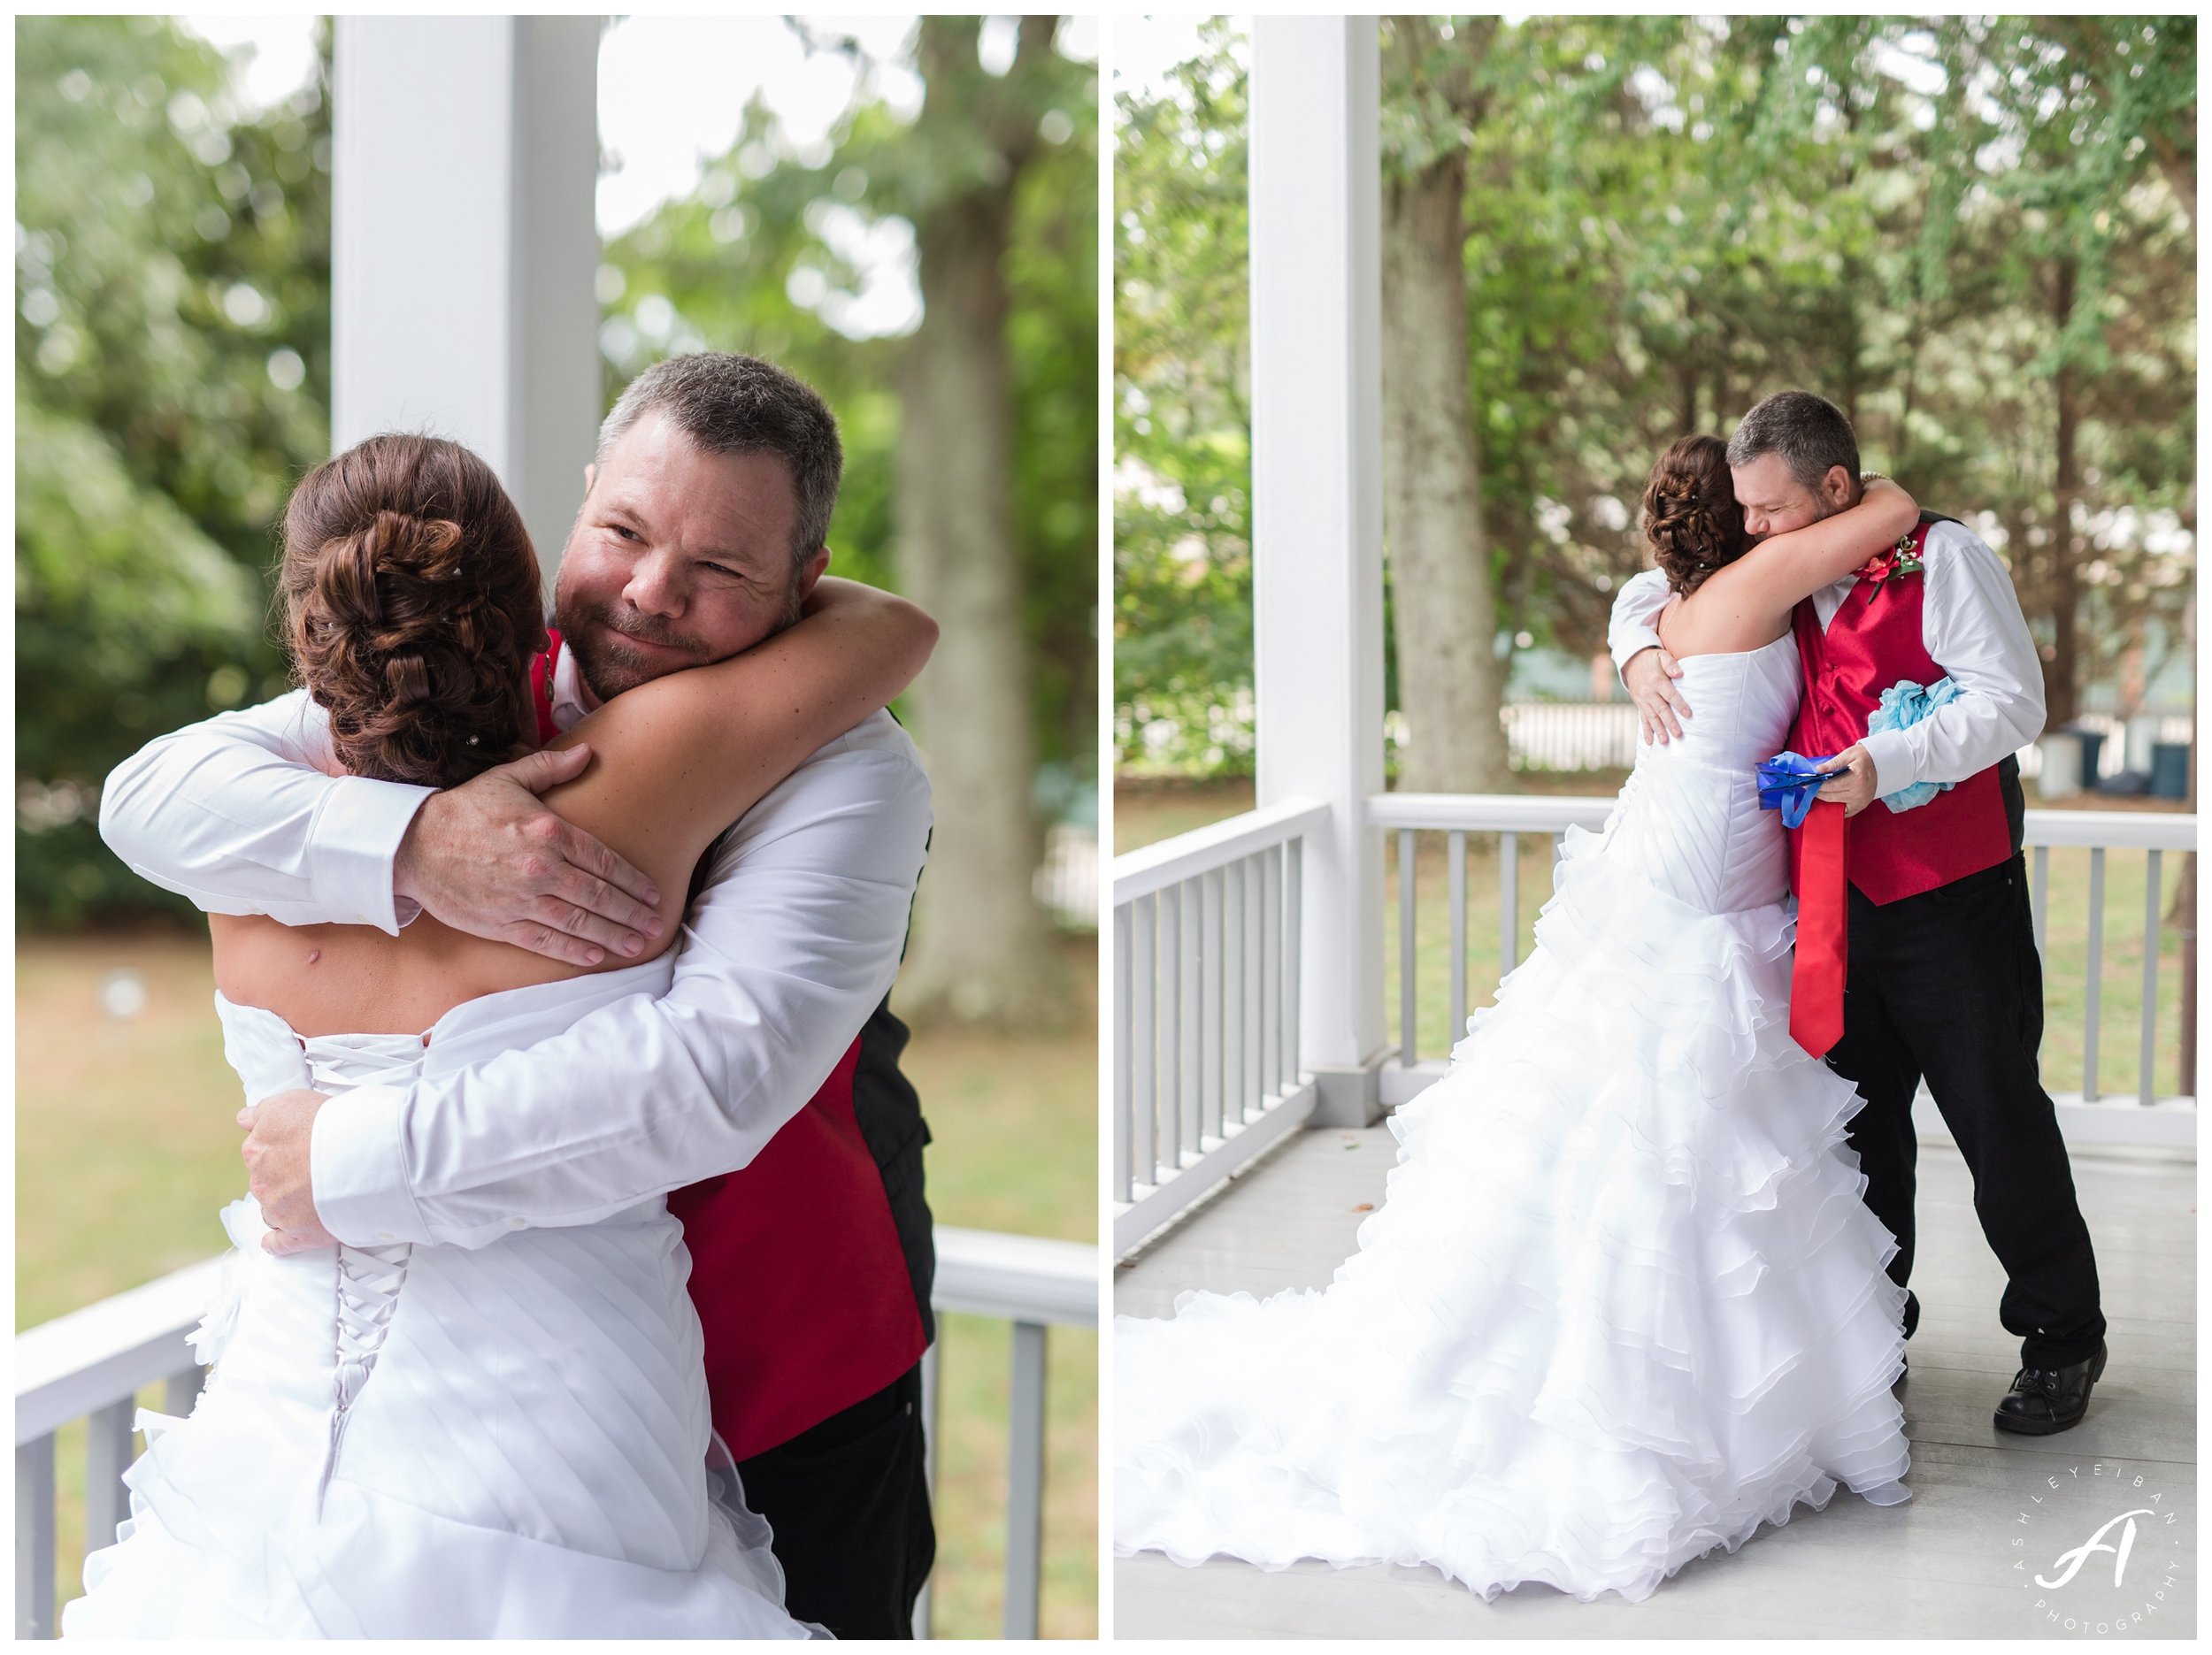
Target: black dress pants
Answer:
[[1948, 984], [848, 1501]]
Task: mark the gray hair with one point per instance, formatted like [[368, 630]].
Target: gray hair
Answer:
[[1808, 432], [727, 404]]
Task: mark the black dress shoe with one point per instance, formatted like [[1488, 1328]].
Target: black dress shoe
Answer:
[[2043, 1400]]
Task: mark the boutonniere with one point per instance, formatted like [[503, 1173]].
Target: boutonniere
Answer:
[[1893, 565]]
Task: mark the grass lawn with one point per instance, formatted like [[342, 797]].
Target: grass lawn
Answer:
[[1145, 813], [125, 1150]]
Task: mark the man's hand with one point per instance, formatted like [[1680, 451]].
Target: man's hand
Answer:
[[279, 1132], [1853, 786], [1650, 675], [489, 859]]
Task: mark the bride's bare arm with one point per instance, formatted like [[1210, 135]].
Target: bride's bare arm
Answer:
[[1776, 574], [676, 760]]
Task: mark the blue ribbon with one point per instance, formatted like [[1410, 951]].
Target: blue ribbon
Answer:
[[1787, 782], [1903, 705]]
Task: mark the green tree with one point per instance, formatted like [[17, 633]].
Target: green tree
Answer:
[[172, 370], [971, 444], [1966, 233], [1182, 592]]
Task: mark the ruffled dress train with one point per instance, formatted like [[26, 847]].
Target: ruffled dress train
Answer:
[[1622, 1302]]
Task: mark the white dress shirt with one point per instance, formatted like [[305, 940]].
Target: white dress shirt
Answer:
[[1971, 626], [790, 946]]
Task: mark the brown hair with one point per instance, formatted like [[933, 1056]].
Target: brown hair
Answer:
[[1808, 432], [413, 607], [1691, 517], [728, 403]]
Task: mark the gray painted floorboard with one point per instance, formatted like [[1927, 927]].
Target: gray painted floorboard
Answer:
[[1944, 1565]]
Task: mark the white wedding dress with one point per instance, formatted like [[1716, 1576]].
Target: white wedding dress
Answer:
[[1623, 1302], [503, 1441]]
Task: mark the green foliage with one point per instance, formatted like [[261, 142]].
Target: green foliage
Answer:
[[1182, 425], [1951, 227], [171, 367], [720, 271], [172, 360]]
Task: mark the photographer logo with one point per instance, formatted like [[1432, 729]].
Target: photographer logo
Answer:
[[2100, 1549]]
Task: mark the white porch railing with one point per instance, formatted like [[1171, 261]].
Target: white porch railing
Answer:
[[1206, 940], [2084, 1117], [1206, 1071], [91, 1363]]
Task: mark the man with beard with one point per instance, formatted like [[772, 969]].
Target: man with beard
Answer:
[[761, 1094]]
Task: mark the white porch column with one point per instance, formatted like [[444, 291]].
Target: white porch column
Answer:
[[1316, 511], [465, 158]]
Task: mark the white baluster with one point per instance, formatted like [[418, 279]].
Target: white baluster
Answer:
[[1025, 1482], [35, 1537], [1407, 1041], [2147, 1074]]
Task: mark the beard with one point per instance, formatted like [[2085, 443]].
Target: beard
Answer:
[[604, 639], [604, 646]]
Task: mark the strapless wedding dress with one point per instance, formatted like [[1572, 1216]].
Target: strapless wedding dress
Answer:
[[505, 1441], [1623, 1302]]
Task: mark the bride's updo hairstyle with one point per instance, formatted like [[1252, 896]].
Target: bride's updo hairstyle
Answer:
[[1691, 517], [412, 608]]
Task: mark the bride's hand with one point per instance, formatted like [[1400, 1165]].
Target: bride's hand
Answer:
[[488, 858]]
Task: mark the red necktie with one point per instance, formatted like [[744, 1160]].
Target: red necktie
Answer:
[[1823, 955]]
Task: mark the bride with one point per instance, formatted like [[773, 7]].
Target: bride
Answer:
[[510, 1440], [1624, 1303]]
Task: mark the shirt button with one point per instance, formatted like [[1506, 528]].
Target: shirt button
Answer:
[[516, 1223], [386, 1234]]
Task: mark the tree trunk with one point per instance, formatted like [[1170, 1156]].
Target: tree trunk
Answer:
[[982, 950], [2060, 672], [1451, 681]]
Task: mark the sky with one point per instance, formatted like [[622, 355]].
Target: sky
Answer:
[[1146, 48], [671, 90]]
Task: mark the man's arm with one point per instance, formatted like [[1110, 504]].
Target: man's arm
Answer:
[[240, 814], [1634, 626], [1971, 624], [1649, 677], [792, 945]]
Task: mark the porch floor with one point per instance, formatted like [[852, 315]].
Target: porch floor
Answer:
[[1939, 1566]]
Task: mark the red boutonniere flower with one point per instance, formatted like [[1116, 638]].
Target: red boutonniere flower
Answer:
[[1892, 564]]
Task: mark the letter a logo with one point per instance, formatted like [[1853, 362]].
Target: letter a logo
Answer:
[[2079, 1555]]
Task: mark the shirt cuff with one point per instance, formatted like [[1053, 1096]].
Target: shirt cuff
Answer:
[[1893, 761], [353, 843], [1630, 642], [358, 1164]]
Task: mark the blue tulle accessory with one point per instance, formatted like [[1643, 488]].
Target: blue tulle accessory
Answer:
[[1903, 705], [1787, 782]]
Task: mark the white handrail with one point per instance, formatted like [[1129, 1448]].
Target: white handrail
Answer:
[[1553, 813], [1504, 813], [2113, 830], [1015, 1278], [67, 1367], [1157, 866]]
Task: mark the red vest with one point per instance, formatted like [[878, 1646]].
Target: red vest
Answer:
[[1874, 642], [797, 1273]]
